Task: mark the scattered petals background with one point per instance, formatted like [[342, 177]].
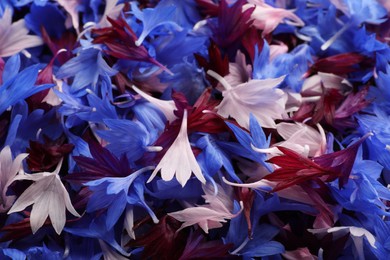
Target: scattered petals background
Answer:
[[194, 129]]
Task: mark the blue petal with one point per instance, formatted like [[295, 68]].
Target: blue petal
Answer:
[[20, 87], [11, 68], [47, 16], [153, 18], [115, 210], [215, 157], [125, 137], [246, 141], [13, 253], [85, 68], [266, 249], [258, 136]]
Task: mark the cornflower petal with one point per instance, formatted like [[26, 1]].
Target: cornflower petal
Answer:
[[179, 159]]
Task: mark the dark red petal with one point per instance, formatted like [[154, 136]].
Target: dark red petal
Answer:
[[353, 104], [247, 196], [102, 164], [120, 40], [45, 156], [162, 241], [208, 7], [251, 39], [217, 62], [294, 170], [198, 248], [2, 64], [338, 64], [341, 161], [67, 41], [232, 23]]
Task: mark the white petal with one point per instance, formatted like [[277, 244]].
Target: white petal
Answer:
[[286, 130], [27, 198], [67, 200], [259, 97], [5, 163], [71, 7], [179, 159], [16, 165], [57, 211], [39, 212], [109, 253], [166, 107], [15, 38], [356, 231], [129, 222]]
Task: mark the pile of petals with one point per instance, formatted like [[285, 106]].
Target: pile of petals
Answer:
[[194, 129]]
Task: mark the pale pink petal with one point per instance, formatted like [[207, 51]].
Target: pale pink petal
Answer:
[[259, 97], [302, 253], [109, 253], [267, 18], [286, 130], [111, 10], [39, 212], [14, 36], [314, 85], [211, 215], [165, 106], [179, 159], [57, 209], [129, 222], [295, 193], [360, 232], [294, 101], [27, 198], [222, 201], [239, 71], [5, 164], [276, 50], [71, 6], [48, 196], [8, 170], [302, 138], [51, 98], [17, 163], [67, 201], [205, 217]]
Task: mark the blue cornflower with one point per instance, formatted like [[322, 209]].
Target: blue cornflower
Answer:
[[117, 194], [85, 69], [17, 87]]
